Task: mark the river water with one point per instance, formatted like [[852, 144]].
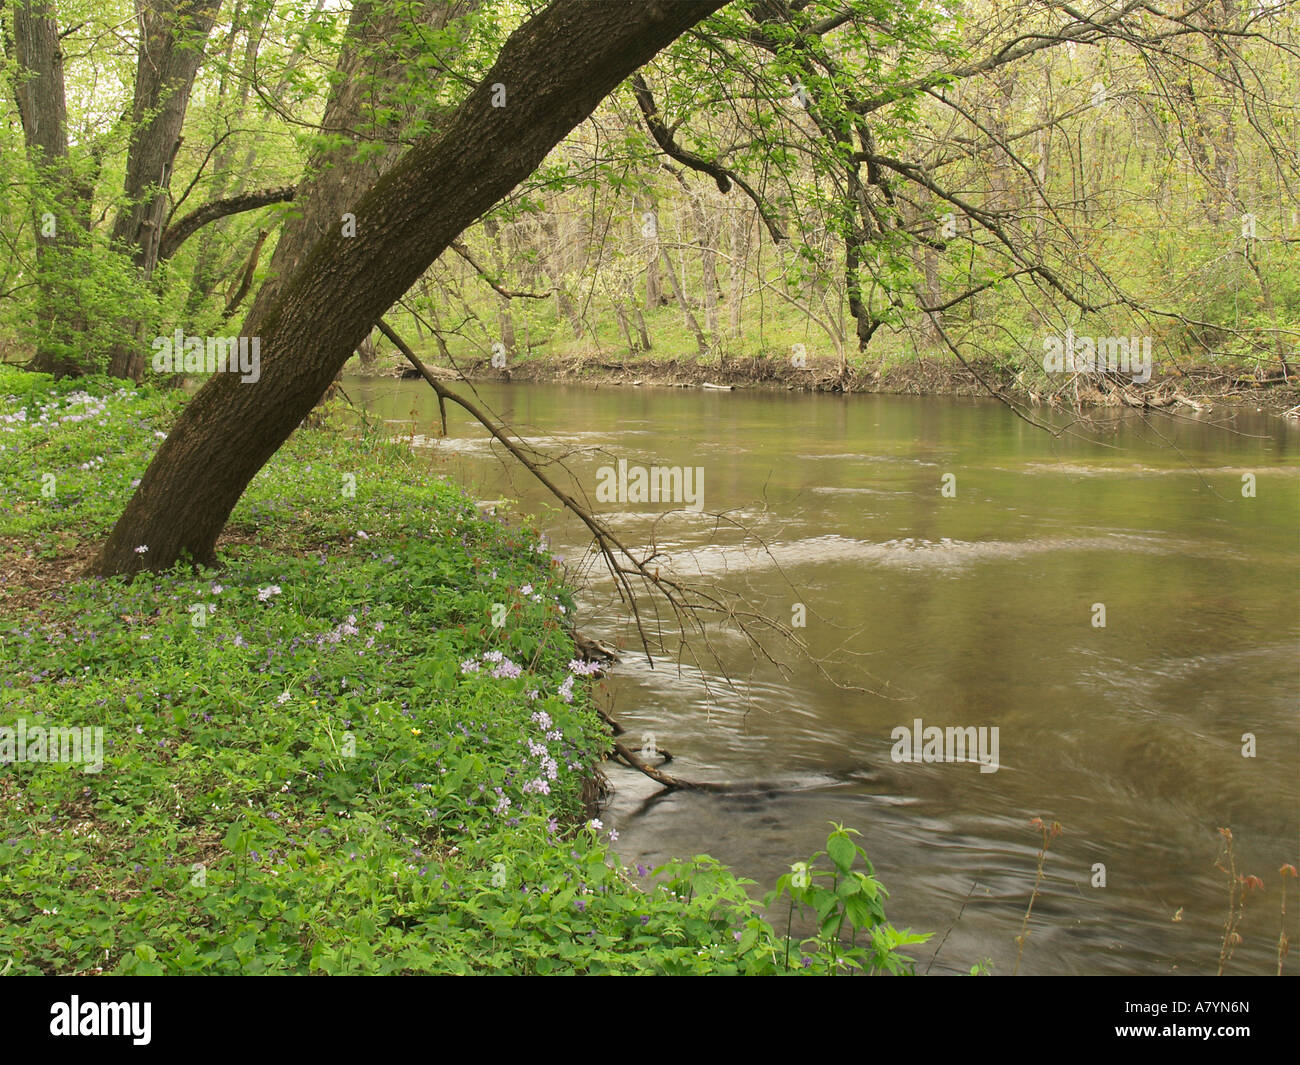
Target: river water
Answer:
[[976, 608]]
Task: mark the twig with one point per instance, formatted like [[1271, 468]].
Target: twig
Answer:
[[944, 940], [1049, 834]]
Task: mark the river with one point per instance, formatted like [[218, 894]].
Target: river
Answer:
[[977, 607]]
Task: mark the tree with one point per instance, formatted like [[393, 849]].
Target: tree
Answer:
[[380, 44], [172, 37], [42, 110], [550, 75]]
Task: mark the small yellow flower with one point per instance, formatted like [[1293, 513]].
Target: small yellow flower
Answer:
[[415, 732]]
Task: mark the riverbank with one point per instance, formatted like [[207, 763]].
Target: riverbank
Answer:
[[326, 757], [1193, 390]]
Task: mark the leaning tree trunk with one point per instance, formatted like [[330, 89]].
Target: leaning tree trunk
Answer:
[[554, 70], [370, 69]]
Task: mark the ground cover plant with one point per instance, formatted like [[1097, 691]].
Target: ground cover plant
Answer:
[[325, 756]]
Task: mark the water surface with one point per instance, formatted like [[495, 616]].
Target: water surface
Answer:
[[970, 610]]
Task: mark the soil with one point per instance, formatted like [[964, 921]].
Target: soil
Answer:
[[1198, 388]]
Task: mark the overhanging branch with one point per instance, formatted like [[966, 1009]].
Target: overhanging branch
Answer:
[[663, 137]]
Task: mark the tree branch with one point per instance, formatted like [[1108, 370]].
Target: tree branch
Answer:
[[178, 232], [464, 253], [664, 138]]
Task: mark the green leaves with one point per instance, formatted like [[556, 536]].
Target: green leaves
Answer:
[[841, 849], [845, 901], [282, 776]]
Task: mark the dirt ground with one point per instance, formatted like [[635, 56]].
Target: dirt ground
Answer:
[[1197, 389]]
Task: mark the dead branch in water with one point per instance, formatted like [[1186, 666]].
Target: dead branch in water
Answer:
[[629, 759]]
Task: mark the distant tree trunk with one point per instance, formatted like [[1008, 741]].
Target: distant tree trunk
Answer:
[[705, 234], [172, 36], [742, 227], [654, 296], [624, 326], [505, 320], [42, 110], [648, 225], [1043, 140], [565, 305], [366, 352], [553, 264], [928, 292], [692, 323], [932, 321], [641, 328], [555, 69]]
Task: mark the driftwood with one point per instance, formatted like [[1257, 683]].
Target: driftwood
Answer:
[[593, 650], [672, 783], [1155, 399]]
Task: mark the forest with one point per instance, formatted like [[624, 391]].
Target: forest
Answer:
[[388, 387]]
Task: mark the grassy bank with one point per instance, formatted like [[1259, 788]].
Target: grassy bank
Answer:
[[324, 757]]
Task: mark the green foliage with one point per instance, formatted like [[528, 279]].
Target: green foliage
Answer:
[[974, 120], [850, 906], [345, 768]]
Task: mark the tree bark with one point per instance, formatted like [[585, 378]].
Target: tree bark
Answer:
[[172, 36], [554, 70], [42, 110], [370, 68]]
